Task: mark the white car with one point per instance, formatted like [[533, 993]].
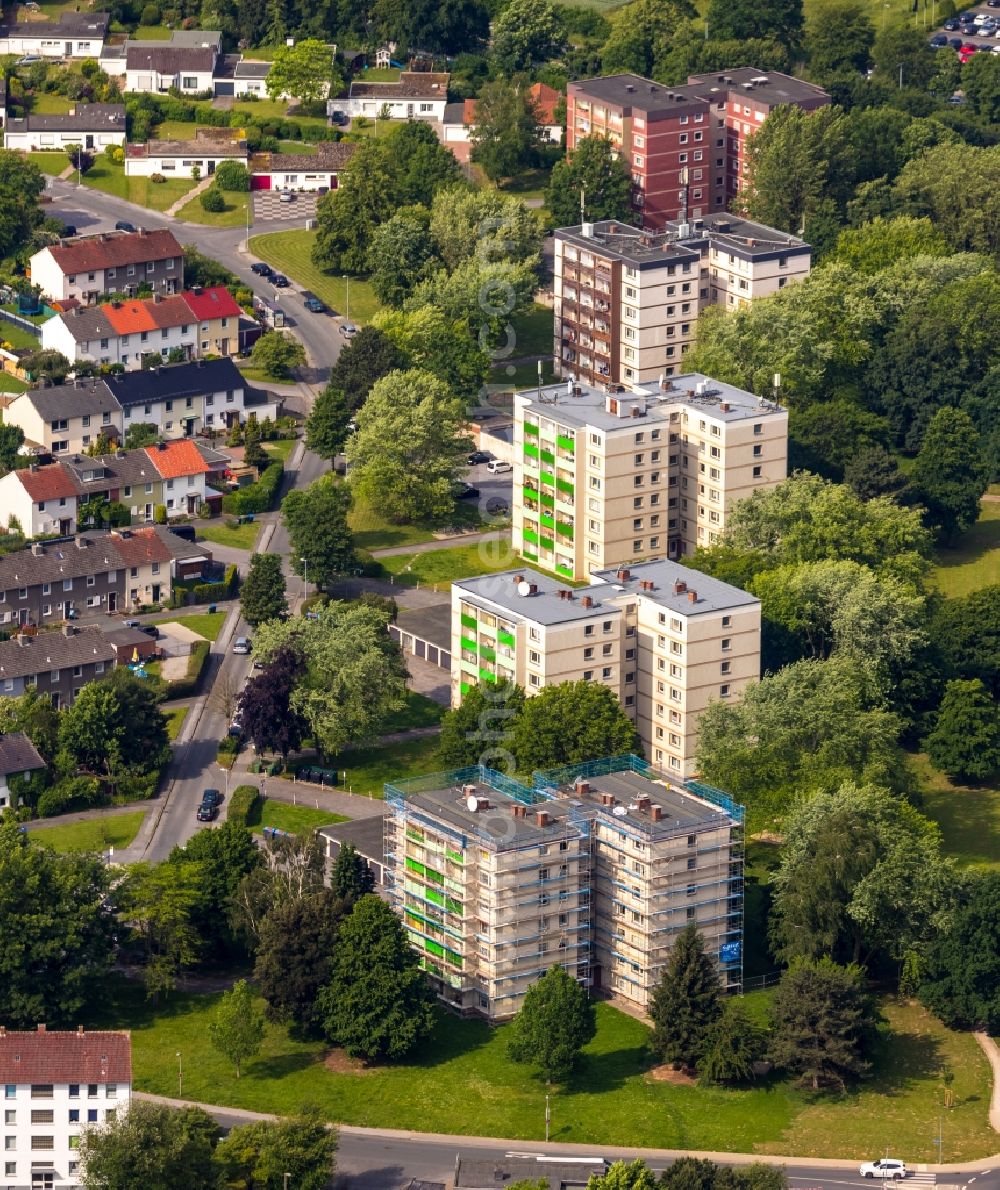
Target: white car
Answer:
[[885, 1167], [348, 330]]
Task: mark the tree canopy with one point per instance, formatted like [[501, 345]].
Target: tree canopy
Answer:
[[554, 1023]]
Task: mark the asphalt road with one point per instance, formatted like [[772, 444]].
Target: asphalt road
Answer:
[[91, 211]]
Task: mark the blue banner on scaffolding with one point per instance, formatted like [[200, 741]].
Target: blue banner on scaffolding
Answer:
[[730, 952]]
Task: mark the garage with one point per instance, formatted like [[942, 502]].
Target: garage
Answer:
[[260, 181], [224, 88]]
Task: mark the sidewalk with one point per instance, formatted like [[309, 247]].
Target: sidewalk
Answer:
[[203, 185], [992, 1052], [440, 543]]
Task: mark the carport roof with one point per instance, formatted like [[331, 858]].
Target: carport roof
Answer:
[[431, 623]]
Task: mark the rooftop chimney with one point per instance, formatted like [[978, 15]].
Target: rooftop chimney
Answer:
[[623, 574], [587, 601], [581, 785], [680, 587], [534, 589], [542, 817], [725, 407], [519, 810], [644, 801], [656, 813], [692, 596], [41, 1028]]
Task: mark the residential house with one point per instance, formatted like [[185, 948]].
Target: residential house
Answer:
[[665, 640], [206, 152], [58, 664], [56, 1084], [415, 96], [104, 572], [603, 477], [41, 498], [183, 399], [124, 332], [91, 126], [111, 262], [18, 758], [459, 120], [627, 301], [170, 473], [65, 418], [301, 171], [158, 67], [239, 77], [685, 145], [595, 868], [73, 35], [182, 470]]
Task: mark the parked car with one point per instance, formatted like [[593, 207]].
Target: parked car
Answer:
[[150, 630], [951, 24], [465, 491], [280, 281], [29, 60], [993, 3], [261, 269], [348, 330], [285, 196], [68, 229], [133, 624], [498, 467], [241, 646], [955, 43], [884, 1167], [206, 812], [339, 118], [315, 305], [321, 190], [479, 456], [124, 225], [213, 796], [939, 41]]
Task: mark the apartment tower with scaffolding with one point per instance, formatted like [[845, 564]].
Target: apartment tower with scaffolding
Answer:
[[596, 867]]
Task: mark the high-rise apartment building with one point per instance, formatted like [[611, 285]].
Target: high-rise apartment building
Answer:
[[627, 301], [666, 640], [685, 145], [596, 868], [605, 477]]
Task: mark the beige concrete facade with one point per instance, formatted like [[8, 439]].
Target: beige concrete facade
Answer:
[[666, 640], [603, 478], [627, 301]]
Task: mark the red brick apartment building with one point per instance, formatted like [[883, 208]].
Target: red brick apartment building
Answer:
[[686, 146]]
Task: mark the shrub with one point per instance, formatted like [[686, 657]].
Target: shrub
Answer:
[[72, 793], [187, 687], [160, 514], [150, 15], [157, 178], [241, 803], [255, 497], [212, 200], [212, 592], [232, 175]]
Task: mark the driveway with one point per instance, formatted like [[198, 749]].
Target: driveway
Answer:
[[267, 205]]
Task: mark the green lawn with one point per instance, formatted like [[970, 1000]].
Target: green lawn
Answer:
[[234, 215], [379, 74], [17, 337], [281, 448], [532, 183], [368, 769], [175, 720], [420, 711], [47, 103], [176, 130], [975, 561], [968, 815], [290, 251], [273, 109], [297, 820], [517, 376], [155, 196], [441, 568], [534, 332], [93, 834], [296, 146], [152, 33], [50, 163], [373, 532], [11, 384], [462, 1080], [242, 537], [206, 624]]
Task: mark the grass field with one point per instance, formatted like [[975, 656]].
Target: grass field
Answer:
[[155, 196], [373, 532], [281, 448], [439, 568], [47, 103], [240, 538], [50, 163], [94, 834], [296, 146], [534, 332], [152, 33], [206, 624], [297, 820], [11, 384], [975, 561], [234, 215], [968, 815], [176, 130], [379, 74], [420, 711], [175, 720], [17, 337], [516, 376], [289, 251], [368, 769], [462, 1080]]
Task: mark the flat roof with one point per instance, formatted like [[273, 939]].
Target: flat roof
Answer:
[[770, 85], [545, 606], [680, 241], [631, 90], [620, 241], [500, 821], [577, 404], [679, 808], [672, 586], [431, 623], [365, 834]]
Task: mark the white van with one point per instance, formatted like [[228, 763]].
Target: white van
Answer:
[[498, 467]]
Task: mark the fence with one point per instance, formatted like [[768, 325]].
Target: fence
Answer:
[[24, 323]]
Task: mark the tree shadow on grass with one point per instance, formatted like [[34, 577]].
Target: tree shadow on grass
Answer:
[[450, 1039], [597, 1074], [281, 1065], [901, 1059]]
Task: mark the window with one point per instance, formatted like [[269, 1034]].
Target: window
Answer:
[[41, 1090], [74, 1115], [91, 1090], [74, 1088], [10, 1116], [724, 690], [727, 643], [42, 1116]]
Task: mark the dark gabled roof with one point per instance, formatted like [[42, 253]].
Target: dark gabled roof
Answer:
[[53, 650], [85, 117], [175, 380], [330, 155], [124, 467], [169, 59], [411, 84], [70, 24], [18, 754], [85, 323], [110, 250], [73, 399]]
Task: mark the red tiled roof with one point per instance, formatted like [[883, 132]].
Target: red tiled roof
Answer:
[[142, 546], [214, 302], [545, 98], [81, 1057], [148, 314], [114, 250], [177, 458], [50, 481]]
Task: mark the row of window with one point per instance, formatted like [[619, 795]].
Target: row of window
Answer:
[[110, 274], [47, 1090]]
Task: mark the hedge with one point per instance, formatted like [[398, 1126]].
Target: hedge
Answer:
[[213, 592], [241, 803], [255, 497], [187, 686]]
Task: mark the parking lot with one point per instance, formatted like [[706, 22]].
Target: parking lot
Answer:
[[267, 205], [972, 31]]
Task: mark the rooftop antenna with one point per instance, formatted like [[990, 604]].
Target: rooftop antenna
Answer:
[[539, 380], [777, 388], [583, 216]]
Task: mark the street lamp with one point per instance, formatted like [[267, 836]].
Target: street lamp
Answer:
[[305, 577], [180, 1076], [284, 1180], [548, 1118]]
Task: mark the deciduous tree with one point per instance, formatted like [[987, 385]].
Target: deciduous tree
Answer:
[[377, 1004], [303, 70], [269, 721], [368, 357], [401, 254], [950, 473], [258, 1156], [555, 1022], [839, 42], [480, 730], [569, 723], [525, 34], [686, 1001], [505, 136], [278, 353], [743, 19], [262, 595], [237, 1031], [965, 742], [434, 343], [316, 520], [150, 1145], [159, 903], [593, 184]]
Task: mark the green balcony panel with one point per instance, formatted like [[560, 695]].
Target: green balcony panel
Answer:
[[468, 644], [530, 429], [436, 897], [432, 876], [487, 676], [457, 856], [564, 485], [488, 652], [505, 638], [566, 443], [530, 451], [546, 543], [547, 456], [468, 621], [530, 555], [567, 571], [545, 477], [464, 687], [434, 948], [548, 499], [530, 492], [530, 535], [414, 866], [565, 530], [548, 520]]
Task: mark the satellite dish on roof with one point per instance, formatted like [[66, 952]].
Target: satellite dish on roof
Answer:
[[523, 588], [619, 811], [472, 803]]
